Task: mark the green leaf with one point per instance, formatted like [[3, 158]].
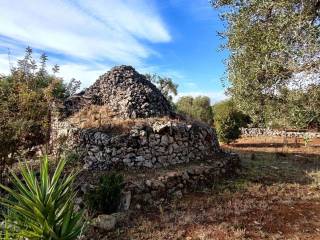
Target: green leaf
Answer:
[[43, 208]]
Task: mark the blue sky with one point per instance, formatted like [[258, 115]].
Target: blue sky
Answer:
[[175, 38]]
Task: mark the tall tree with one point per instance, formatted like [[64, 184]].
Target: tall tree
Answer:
[[269, 42]]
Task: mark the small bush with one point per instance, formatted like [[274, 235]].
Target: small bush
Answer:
[[105, 198], [228, 121], [71, 156], [227, 128]]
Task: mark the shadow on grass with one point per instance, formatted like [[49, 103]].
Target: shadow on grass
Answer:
[[266, 145]]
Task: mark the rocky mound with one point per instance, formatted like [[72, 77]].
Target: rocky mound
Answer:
[[125, 92]]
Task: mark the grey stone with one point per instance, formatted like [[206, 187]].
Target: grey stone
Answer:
[[127, 95], [164, 140], [120, 217], [148, 183], [140, 159], [178, 194], [147, 164], [125, 200], [105, 222]]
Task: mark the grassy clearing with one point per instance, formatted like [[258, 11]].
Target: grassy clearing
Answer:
[[277, 196]]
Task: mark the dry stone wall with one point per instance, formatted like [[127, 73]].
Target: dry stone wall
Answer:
[[154, 145], [157, 186], [176, 183], [254, 132], [126, 92]]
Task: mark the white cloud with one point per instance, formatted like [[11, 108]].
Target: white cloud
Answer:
[[135, 16], [87, 33], [214, 96], [87, 75], [113, 30], [176, 76], [4, 64]]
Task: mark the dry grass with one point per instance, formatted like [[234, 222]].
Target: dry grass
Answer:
[[101, 117], [277, 196], [92, 115]]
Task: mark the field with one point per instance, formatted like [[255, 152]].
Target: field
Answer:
[[277, 196]]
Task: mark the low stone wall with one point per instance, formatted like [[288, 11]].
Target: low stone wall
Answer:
[[254, 132], [176, 183], [150, 188], [144, 146], [154, 186]]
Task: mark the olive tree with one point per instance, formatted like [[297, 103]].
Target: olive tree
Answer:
[[269, 43]]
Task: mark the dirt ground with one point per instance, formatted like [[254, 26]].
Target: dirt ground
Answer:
[[277, 196], [276, 145]]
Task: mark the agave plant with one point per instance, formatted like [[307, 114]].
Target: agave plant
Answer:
[[42, 208]]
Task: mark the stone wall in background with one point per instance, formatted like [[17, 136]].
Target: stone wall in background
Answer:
[[149, 145], [254, 132]]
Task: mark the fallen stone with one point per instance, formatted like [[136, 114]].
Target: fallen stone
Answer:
[[104, 222]]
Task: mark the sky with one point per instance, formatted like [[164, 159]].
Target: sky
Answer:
[[173, 38]]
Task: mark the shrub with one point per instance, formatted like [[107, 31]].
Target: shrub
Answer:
[[8, 232], [165, 84], [71, 156], [27, 97], [105, 198], [227, 128], [228, 121], [43, 208]]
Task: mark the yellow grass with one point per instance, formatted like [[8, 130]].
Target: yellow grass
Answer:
[[101, 117]]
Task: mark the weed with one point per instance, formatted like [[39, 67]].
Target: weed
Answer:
[[105, 198]]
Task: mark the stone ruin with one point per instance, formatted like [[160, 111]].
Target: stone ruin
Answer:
[[185, 152], [125, 92]]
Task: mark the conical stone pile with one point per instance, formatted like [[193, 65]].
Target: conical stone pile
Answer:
[[126, 92]]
